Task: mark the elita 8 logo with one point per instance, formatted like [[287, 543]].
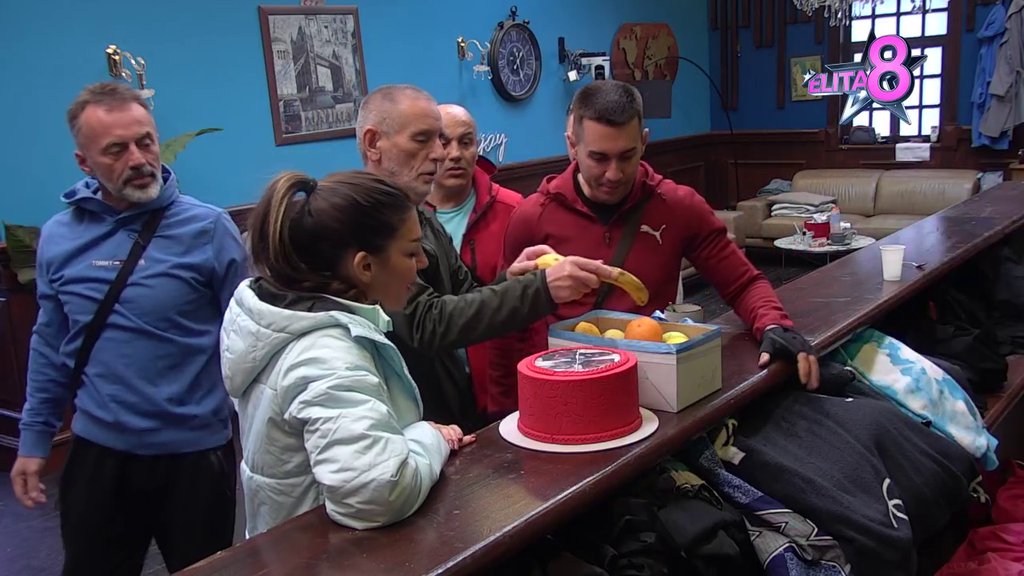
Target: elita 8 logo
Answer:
[[884, 74]]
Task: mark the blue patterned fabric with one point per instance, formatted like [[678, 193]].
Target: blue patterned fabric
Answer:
[[919, 388], [786, 543]]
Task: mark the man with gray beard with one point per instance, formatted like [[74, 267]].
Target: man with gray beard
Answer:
[[152, 455], [398, 133]]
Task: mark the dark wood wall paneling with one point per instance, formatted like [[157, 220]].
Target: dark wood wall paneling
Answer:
[[758, 25], [734, 60], [781, 55], [729, 16], [707, 161], [819, 26], [725, 62]]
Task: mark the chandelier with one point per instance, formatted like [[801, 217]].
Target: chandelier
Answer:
[[838, 11]]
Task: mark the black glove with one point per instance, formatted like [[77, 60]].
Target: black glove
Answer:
[[780, 342]]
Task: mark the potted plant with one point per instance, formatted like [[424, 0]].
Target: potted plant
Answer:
[[22, 241]]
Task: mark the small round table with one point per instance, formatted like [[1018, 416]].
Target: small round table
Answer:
[[790, 243]]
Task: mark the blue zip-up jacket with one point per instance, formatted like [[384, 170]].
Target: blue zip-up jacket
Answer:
[[989, 38], [152, 384]]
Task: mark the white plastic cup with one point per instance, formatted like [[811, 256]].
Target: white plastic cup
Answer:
[[892, 262]]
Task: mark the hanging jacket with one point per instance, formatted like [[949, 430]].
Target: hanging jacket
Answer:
[[1004, 111], [327, 410], [481, 253], [989, 37]]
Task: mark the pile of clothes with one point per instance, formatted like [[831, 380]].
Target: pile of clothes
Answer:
[[839, 481], [776, 186], [802, 204]]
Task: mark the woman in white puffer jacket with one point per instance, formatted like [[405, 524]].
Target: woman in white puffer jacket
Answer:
[[328, 412]]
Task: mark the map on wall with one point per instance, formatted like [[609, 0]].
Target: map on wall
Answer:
[[643, 52]]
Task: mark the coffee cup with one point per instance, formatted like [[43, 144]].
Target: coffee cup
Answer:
[[842, 238]]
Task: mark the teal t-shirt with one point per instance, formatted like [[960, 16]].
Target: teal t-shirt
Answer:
[[456, 219]]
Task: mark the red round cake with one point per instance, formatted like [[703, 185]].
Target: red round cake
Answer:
[[578, 395]]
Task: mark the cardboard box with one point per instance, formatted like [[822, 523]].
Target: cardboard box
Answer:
[[672, 376]]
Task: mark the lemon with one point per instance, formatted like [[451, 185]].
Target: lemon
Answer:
[[587, 328], [674, 337], [614, 333]]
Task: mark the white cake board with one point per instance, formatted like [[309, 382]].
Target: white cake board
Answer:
[[509, 430]]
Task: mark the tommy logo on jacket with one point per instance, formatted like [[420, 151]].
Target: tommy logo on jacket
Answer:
[[114, 263], [653, 232]]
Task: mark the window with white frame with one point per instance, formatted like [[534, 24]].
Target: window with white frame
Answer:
[[926, 33]]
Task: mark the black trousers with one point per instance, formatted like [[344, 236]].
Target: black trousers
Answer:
[[113, 504]]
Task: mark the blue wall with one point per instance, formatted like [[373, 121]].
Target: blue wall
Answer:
[[206, 63], [757, 106]]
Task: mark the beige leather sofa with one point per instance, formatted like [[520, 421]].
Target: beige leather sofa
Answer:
[[876, 202]]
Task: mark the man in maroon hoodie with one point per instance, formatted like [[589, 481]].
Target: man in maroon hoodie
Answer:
[[475, 213], [584, 211]]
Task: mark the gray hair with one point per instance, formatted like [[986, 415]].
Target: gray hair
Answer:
[[102, 94], [377, 108]]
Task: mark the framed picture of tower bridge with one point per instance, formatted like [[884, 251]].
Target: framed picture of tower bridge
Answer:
[[315, 74]]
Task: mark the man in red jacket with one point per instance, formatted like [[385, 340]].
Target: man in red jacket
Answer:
[[584, 211], [475, 213]]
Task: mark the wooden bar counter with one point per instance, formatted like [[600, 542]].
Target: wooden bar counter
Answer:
[[494, 499]]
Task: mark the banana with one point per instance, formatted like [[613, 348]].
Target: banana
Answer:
[[624, 280], [548, 260], [632, 285]]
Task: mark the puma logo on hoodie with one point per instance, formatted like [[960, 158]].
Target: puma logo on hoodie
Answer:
[[652, 232]]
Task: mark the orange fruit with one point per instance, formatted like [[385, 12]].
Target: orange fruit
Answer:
[[643, 329]]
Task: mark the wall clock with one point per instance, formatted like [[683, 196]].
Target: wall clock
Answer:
[[514, 59]]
